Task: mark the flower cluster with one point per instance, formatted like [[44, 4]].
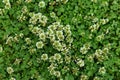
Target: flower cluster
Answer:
[[97, 24], [101, 54], [100, 37], [7, 4], [85, 48], [38, 18], [57, 33]]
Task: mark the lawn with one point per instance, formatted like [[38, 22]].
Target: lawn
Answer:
[[59, 39]]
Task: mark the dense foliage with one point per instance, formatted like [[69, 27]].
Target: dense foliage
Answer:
[[59, 39]]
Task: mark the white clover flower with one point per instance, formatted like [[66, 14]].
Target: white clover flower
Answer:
[[34, 18], [61, 38], [10, 70], [58, 33], [84, 77], [39, 44], [28, 1], [1, 49], [100, 37], [51, 67], [52, 59], [35, 30], [52, 27], [95, 19], [56, 43], [52, 38], [44, 57], [41, 4], [96, 78], [95, 1], [24, 9], [83, 50], [98, 52], [17, 61], [21, 17], [33, 50], [12, 78], [87, 45], [7, 6], [50, 32], [40, 30], [9, 40], [21, 35], [102, 70], [65, 51], [94, 27], [42, 36], [57, 73], [52, 14], [69, 39], [5, 1], [57, 56], [105, 50], [52, 72], [81, 63], [28, 40], [64, 1], [103, 21], [67, 27], [75, 70], [90, 58], [43, 19], [67, 59], [56, 23], [90, 36]]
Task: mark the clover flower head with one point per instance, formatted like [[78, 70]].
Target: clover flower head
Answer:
[[35, 30], [10, 70], [28, 40], [52, 14], [42, 36], [102, 70], [81, 63], [57, 73], [12, 78], [9, 40], [57, 56], [28, 1], [21, 35], [41, 4], [105, 50], [84, 77], [83, 50], [39, 44], [96, 78], [5, 1], [44, 57], [24, 9], [7, 6]]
